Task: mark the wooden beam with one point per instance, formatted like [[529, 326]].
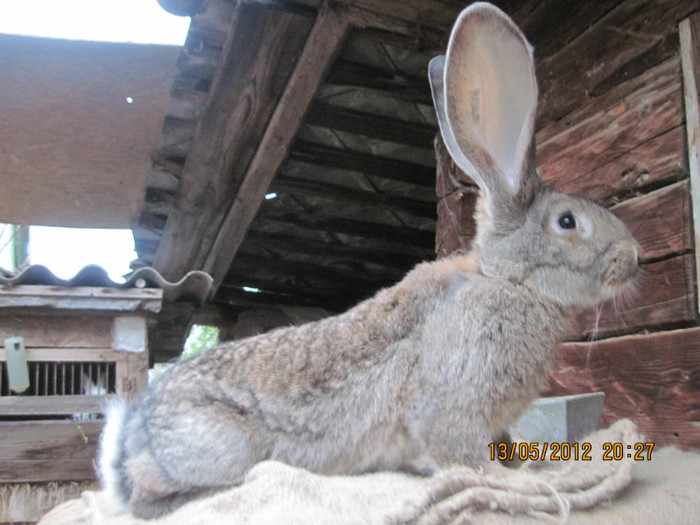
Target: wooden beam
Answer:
[[237, 297], [690, 60], [382, 167], [288, 243], [317, 276], [50, 405], [651, 379], [420, 239], [373, 126], [82, 298], [660, 221], [258, 58], [392, 84], [321, 47], [362, 198], [77, 331], [389, 13], [631, 38], [653, 108]]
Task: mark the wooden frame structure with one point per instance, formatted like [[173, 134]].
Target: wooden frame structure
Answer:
[[44, 437]]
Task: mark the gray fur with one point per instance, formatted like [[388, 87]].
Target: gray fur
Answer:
[[421, 376]]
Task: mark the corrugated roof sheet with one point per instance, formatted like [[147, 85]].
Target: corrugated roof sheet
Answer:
[[195, 287]]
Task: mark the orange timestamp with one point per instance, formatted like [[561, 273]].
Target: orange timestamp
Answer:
[[583, 451]]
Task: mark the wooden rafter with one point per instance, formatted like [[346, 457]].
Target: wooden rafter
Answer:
[[296, 185], [421, 239], [373, 126], [258, 58], [321, 48], [384, 167], [690, 59]]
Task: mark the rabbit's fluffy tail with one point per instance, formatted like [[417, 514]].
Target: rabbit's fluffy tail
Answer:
[[112, 453]]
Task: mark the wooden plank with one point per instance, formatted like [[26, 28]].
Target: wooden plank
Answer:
[[135, 380], [379, 13], [81, 298], [50, 469], [651, 379], [660, 221], [388, 83], [373, 126], [653, 163], [420, 239], [322, 46], [664, 297], [345, 252], [552, 24], [39, 440], [261, 49], [630, 39], [690, 58], [651, 110], [362, 198], [70, 354], [58, 331], [315, 275], [382, 167], [44, 405]]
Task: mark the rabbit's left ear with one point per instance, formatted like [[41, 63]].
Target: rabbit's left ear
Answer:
[[485, 94]]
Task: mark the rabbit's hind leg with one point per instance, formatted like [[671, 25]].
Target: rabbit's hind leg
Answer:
[[154, 493]]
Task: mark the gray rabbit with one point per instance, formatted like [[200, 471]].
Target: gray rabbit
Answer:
[[424, 374]]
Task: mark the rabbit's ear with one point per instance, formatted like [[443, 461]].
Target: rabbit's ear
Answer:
[[487, 104], [436, 74]]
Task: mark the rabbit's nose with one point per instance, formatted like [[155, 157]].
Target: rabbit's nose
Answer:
[[623, 264]]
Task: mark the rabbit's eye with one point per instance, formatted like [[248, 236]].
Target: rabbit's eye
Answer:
[[567, 221]]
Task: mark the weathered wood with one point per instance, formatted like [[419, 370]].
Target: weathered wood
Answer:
[[627, 41], [653, 163], [660, 221], [656, 107], [690, 58], [70, 354], [382, 167], [321, 48], [167, 339], [346, 252], [457, 227], [651, 379], [552, 24], [37, 440], [48, 405], [322, 222], [82, 298], [58, 330], [370, 125], [233, 293], [664, 297], [132, 384], [50, 469], [318, 276], [378, 13], [260, 52], [389, 83], [362, 198]]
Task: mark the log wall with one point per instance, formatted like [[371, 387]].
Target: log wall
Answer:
[[615, 125]]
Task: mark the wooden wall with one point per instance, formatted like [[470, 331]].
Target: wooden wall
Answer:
[[613, 126]]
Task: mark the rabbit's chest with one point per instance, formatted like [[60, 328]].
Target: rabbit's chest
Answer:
[[492, 338]]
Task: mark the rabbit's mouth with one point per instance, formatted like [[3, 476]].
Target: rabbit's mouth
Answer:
[[622, 266]]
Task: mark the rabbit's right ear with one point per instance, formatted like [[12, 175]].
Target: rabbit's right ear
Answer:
[[485, 93]]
